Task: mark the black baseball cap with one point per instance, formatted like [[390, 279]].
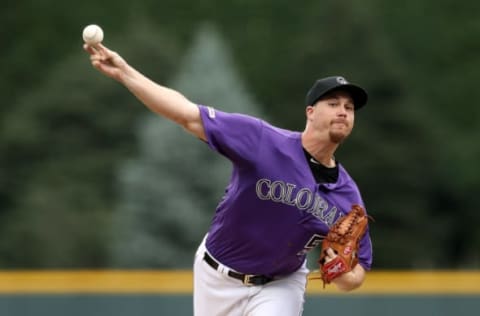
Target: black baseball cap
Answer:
[[328, 84]]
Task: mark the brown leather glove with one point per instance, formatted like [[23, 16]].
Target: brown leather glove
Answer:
[[344, 239]]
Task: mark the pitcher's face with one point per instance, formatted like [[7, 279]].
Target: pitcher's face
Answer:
[[334, 115]]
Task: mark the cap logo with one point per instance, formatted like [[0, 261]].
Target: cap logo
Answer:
[[341, 80]]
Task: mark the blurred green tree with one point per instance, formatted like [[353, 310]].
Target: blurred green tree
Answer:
[[63, 141]]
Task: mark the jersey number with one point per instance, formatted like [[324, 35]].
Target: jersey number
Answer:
[[314, 241]]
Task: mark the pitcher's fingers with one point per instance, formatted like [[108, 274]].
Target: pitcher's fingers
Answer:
[[97, 64], [331, 253], [96, 57], [103, 50], [90, 49], [100, 52]]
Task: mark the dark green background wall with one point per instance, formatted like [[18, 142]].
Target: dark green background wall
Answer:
[[154, 305]]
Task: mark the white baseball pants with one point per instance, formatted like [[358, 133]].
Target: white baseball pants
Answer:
[[217, 294]]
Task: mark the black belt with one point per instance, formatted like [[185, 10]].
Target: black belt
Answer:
[[247, 279]]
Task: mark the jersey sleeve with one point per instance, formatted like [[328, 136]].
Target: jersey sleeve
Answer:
[[236, 136], [365, 251]]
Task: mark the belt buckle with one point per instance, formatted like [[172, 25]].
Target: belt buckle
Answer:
[[247, 279]]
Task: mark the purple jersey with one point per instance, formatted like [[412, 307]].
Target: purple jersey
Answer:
[[273, 211]]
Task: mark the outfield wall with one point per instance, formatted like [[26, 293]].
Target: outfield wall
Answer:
[[148, 293]]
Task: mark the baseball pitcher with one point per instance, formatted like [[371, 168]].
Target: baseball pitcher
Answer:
[[287, 193]]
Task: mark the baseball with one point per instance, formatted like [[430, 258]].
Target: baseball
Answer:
[[92, 34]]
